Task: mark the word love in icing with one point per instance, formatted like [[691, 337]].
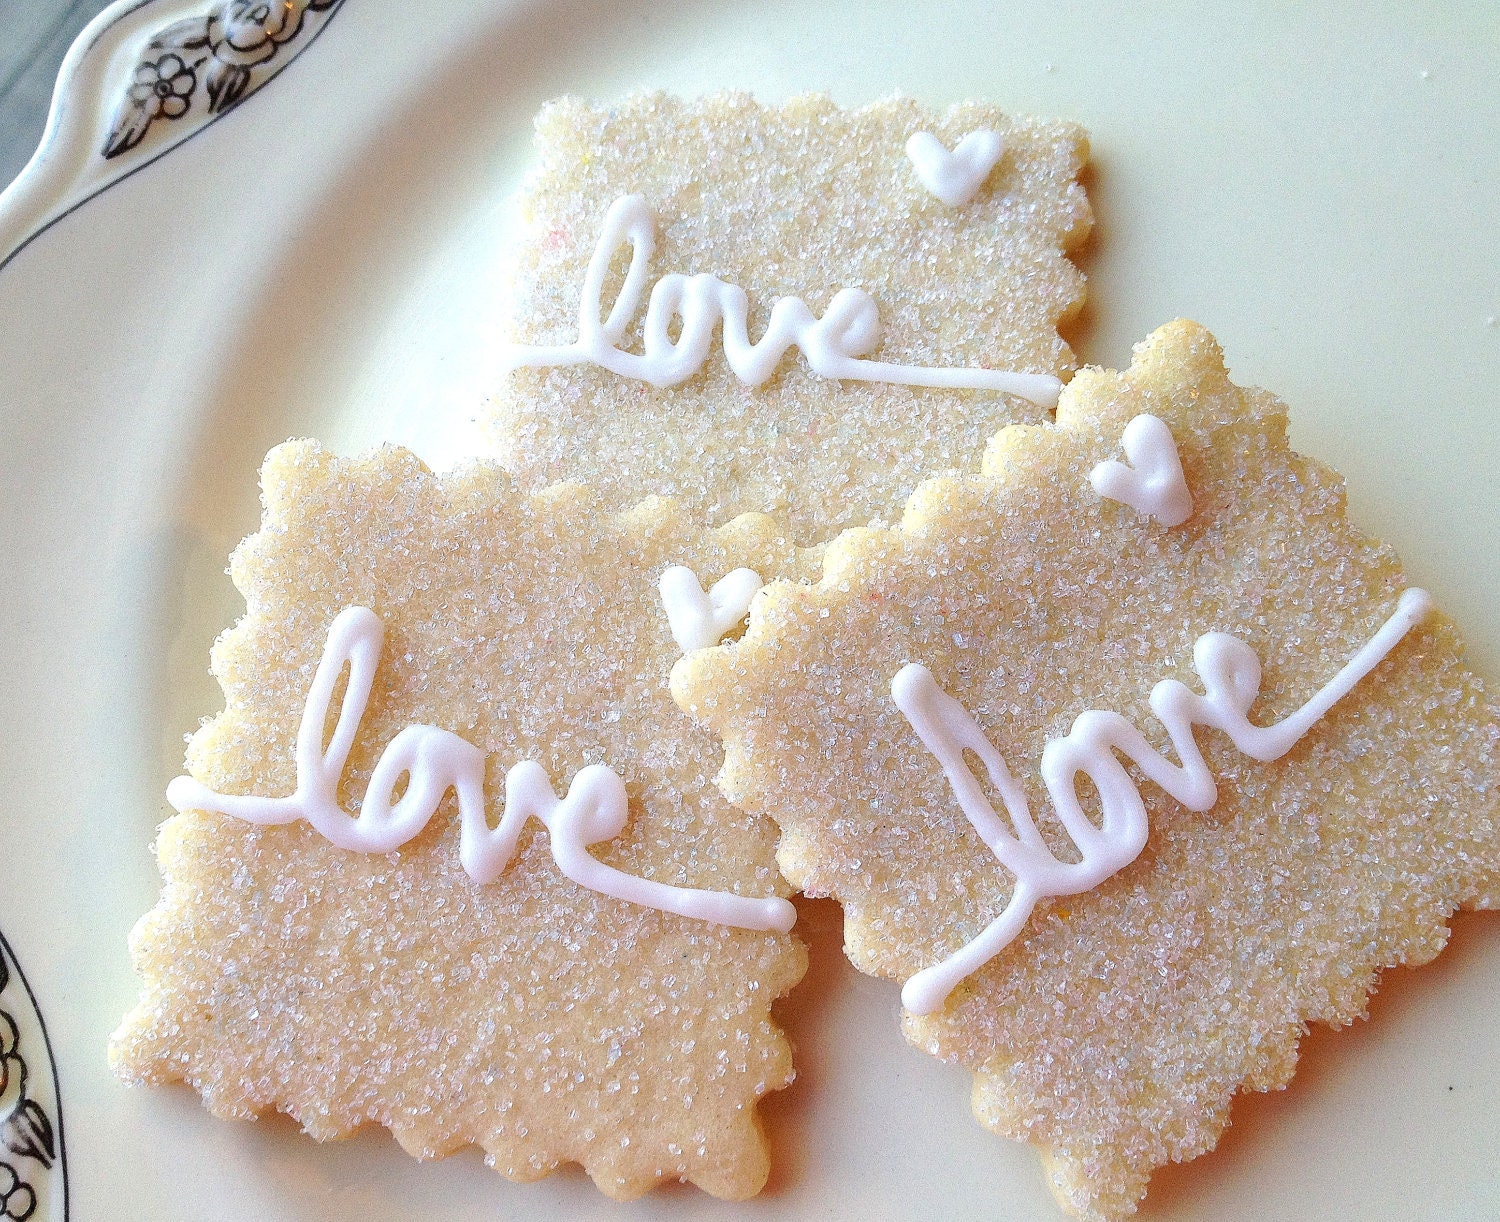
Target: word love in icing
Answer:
[[699, 619], [1230, 671], [1150, 480], [434, 761], [955, 178], [834, 345]]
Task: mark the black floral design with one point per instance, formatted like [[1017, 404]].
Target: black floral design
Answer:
[[12, 1068], [25, 1128], [17, 1197], [28, 1133], [164, 86], [227, 52]]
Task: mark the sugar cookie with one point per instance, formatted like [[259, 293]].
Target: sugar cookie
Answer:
[[1128, 760], [919, 294], [450, 860]]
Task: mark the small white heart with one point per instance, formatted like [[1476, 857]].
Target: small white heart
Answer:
[[955, 178], [697, 619], [1152, 482]]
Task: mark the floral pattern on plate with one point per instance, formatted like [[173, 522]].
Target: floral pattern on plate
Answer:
[[33, 1165], [218, 58]]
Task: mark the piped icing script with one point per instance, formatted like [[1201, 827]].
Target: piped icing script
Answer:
[[435, 761], [834, 345], [1231, 674]]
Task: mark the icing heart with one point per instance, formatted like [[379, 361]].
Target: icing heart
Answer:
[[955, 178], [697, 619], [1150, 481]]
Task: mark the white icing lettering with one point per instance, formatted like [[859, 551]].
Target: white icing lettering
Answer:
[[955, 178], [833, 344], [1231, 674], [434, 761], [1150, 480], [697, 619]]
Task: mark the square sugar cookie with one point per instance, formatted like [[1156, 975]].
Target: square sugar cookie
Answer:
[[825, 211], [1130, 756], [433, 860]]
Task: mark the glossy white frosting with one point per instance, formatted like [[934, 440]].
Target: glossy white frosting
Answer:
[[699, 619], [955, 177], [1150, 480], [833, 345], [1231, 673], [435, 761]]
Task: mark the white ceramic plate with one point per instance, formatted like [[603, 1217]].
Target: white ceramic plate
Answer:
[[1317, 184]]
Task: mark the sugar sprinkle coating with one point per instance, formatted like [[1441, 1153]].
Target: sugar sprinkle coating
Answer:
[[797, 200], [1115, 1031], [542, 1021]]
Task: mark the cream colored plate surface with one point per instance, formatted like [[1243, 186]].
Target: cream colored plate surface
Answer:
[[1316, 185]]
